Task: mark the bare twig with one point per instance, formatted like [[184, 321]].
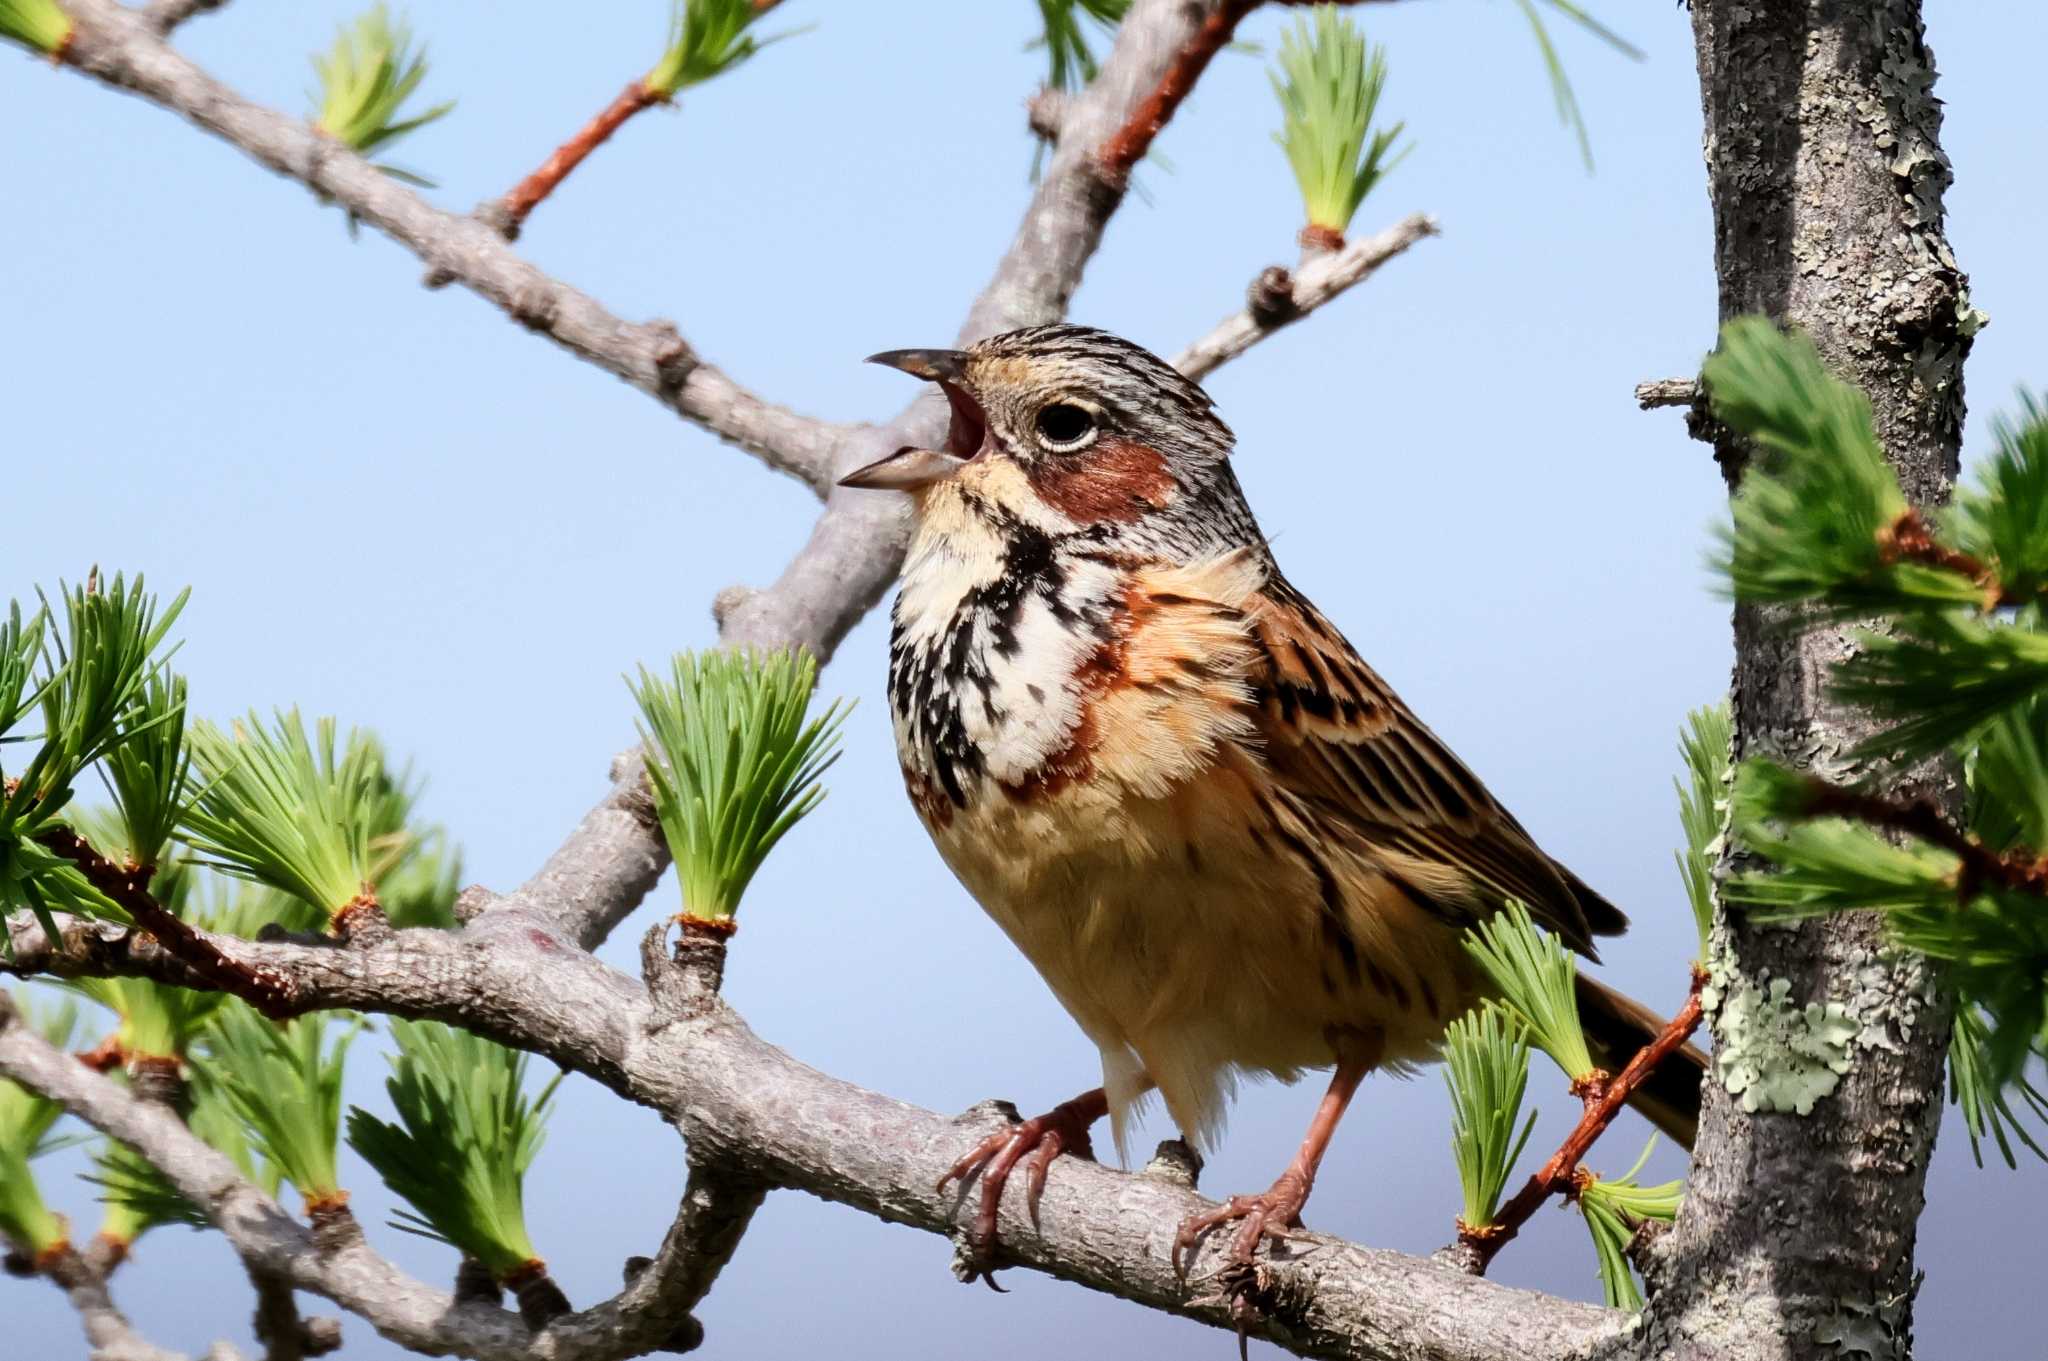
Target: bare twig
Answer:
[[1603, 1101], [1145, 123], [129, 890], [857, 545], [605, 867], [509, 214], [285, 1335], [107, 1329], [1666, 392], [118, 46], [1270, 307], [166, 15], [732, 1095], [717, 1207]]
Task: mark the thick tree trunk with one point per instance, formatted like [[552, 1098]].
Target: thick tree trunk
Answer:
[[1826, 173]]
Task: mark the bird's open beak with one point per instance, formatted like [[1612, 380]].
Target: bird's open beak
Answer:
[[910, 467]]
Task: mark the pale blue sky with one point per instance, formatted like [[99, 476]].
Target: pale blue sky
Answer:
[[396, 507]]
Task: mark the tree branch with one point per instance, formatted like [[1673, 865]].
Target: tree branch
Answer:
[[166, 15], [509, 213], [1149, 118], [1603, 1102], [108, 1331], [1666, 392], [717, 1207], [756, 1113], [2023, 872], [606, 866], [1277, 299], [857, 545], [122, 48], [343, 1267], [128, 890]]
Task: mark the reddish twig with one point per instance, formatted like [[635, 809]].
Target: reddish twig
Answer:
[[2022, 872], [512, 210], [128, 887], [1603, 1102], [1909, 539], [1130, 142]]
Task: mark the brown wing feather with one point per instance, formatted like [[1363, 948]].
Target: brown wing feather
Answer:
[[1338, 738]]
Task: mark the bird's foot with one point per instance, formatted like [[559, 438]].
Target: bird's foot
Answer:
[[1063, 1129], [1268, 1215]]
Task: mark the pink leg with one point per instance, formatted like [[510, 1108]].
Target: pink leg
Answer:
[[1271, 1214]]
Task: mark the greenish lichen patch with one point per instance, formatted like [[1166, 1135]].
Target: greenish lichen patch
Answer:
[[1887, 996], [1777, 1055], [1865, 1332]]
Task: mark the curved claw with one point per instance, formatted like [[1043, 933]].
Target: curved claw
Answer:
[[1050, 1147], [981, 1153], [1064, 1129], [1267, 1216]]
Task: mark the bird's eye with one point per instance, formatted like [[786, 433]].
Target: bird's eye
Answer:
[[1064, 426]]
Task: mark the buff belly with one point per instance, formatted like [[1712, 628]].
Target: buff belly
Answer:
[[1189, 967]]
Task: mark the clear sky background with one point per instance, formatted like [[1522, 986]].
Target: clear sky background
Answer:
[[396, 507]]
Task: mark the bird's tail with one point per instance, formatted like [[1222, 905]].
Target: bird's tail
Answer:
[[1616, 1027]]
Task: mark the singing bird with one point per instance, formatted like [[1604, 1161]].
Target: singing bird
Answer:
[[1224, 842]]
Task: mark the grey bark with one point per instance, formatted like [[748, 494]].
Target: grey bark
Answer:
[[1320, 278], [124, 48], [762, 1119], [1826, 174]]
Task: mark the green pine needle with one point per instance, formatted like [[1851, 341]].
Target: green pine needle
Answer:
[[156, 1020], [2007, 776], [21, 642], [1535, 977], [283, 1082], [707, 38], [96, 679], [414, 866], [26, 1121], [39, 25], [235, 907], [93, 695], [1707, 744], [150, 769], [139, 1197], [1071, 61], [1985, 1103], [365, 80], [286, 810], [1614, 1209], [1825, 864], [1486, 1065], [1940, 680], [467, 1133], [1328, 82], [1811, 508], [1820, 519], [733, 764], [1561, 92], [2002, 517]]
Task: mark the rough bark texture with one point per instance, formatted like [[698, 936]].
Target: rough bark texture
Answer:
[[1826, 174], [761, 1119]]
